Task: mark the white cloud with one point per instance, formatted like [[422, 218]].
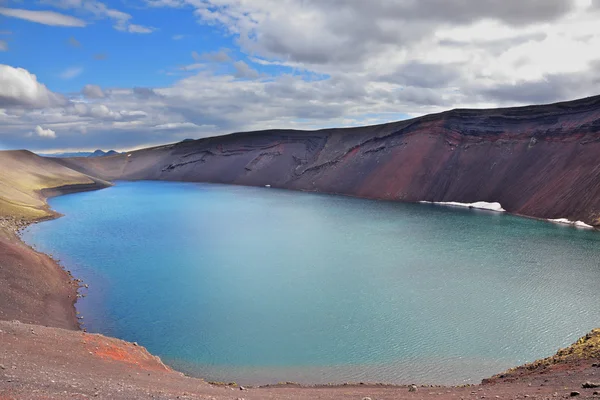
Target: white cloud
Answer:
[[192, 67], [20, 88], [243, 70], [44, 133], [71, 72], [133, 28], [175, 125], [165, 3], [3, 45], [43, 17], [121, 20], [178, 37], [92, 92]]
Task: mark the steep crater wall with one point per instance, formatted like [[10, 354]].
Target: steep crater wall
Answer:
[[539, 161]]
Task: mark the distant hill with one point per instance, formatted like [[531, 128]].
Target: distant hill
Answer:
[[97, 153], [25, 181], [65, 155], [100, 153]]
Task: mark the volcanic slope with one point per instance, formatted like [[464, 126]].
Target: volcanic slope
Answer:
[[33, 288], [539, 161]]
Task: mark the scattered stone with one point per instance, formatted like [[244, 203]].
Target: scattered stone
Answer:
[[135, 343], [366, 398], [2, 366], [575, 393], [596, 393], [412, 388], [242, 388], [590, 385], [596, 365]]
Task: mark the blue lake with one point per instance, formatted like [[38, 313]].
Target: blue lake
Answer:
[[259, 285]]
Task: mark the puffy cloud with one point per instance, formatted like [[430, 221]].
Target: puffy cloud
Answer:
[[144, 93], [133, 28], [18, 87], [243, 70], [43, 17], [44, 133], [335, 31], [92, 92]]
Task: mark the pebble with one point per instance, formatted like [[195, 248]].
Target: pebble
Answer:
[[366, 398], [2, 366], [590, 385]]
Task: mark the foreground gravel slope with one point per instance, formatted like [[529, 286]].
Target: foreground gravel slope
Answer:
[[50, 363]]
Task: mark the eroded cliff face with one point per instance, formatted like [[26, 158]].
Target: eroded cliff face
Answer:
[[540, 161]]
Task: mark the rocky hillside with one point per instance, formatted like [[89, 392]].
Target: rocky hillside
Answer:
[[539, 161], [27, 179]]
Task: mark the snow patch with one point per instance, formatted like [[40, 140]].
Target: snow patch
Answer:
[[480, 205], [577, 224]]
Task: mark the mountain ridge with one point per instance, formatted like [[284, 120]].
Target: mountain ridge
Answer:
[[537, 161]]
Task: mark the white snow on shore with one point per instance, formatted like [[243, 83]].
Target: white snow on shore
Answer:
[[480, 205], [578, 224]]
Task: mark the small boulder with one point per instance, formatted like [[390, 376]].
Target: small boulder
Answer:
[[575, 393], [412, 388], [590, 385]]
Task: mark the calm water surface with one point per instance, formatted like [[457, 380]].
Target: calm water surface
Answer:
[[261, 285]]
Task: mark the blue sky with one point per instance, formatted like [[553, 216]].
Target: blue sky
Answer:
[[144, 60], [86, 74]]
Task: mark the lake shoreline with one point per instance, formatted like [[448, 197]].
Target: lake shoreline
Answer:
[[9, 236]]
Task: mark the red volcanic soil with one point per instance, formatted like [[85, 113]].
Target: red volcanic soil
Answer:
[[539, 161], [33, 288]]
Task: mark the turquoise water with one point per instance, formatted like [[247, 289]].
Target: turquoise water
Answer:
[[259, 285]]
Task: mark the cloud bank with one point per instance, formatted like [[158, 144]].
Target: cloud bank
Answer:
[[337, 63]]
